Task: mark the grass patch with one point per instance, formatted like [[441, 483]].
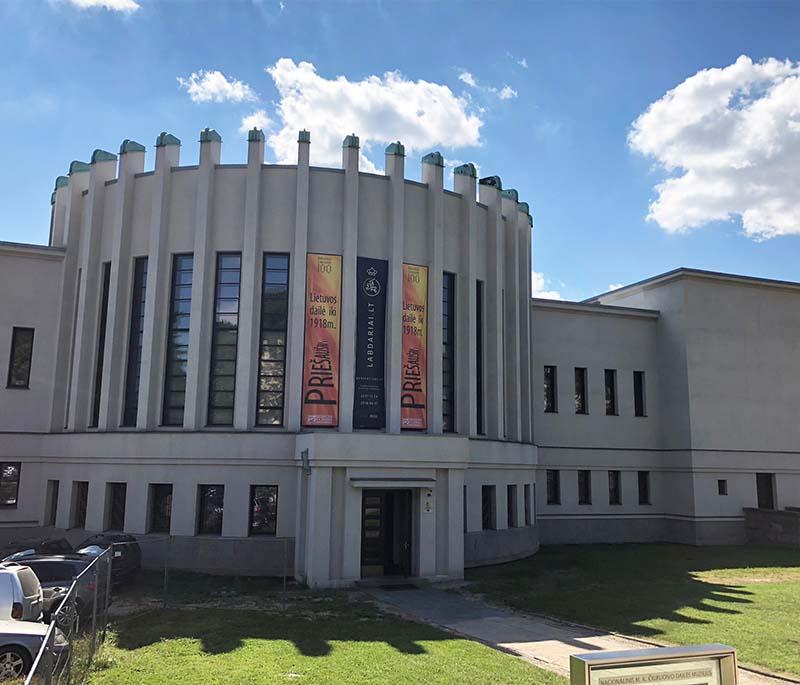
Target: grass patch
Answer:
[[747, 597], [317, 638]]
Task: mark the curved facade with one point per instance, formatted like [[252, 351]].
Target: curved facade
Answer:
[[280, 366]]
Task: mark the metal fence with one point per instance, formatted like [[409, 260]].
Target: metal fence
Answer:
[[77, 627]]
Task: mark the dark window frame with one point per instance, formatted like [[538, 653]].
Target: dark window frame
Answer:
[[550, 388], [9, 502], [722, 487], [639, 394], [158, 521], [100, 358], [488, 507], [79, 504], [615, 488], [115, 516], [272, 527], [203, 493], [133, 367], [11, 384], [51, 503], [449, 417], [645, 497], [553, 477], [527, 490], [765, 491], [584, 487], [179, 270], [511, 506], [610, 380], [581, 390], [480, 427]]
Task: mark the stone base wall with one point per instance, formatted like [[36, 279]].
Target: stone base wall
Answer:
[[488, 547], [766, 527]]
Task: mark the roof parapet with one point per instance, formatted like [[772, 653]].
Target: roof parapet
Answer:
[[304, 136], [467, 169], [351, 141], [209, 135], [492, 181], [76, 167], [164, 139], [62, 182], [434, 158], [396, 148], [103, 156], [510, 194], [130, 146], [255, 135]]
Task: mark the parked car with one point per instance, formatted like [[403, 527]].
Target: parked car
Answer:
[[127, 556], [25, 548], [21, 595], [20, 642]]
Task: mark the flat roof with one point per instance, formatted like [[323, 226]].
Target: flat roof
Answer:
[[31, 250], [594, 308]]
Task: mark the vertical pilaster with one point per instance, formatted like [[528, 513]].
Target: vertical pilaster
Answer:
[[433, 176], [350, 149], [203, 277], [494, 359], [297, 289], [59, 209], [102, 169], [136, 493], [250, 289], [512, 310], [527, 389], [131, 162], [395, 170], [65, 500], [318, 526], [455, 531], [465, 180], [168, 149], [77, 182], [351, 562]]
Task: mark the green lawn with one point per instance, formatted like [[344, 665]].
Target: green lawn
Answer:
[[318, 638], [748, 597]]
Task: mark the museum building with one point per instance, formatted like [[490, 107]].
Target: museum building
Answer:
[[342, 375]]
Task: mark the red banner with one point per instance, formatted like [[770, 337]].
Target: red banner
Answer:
[[413, 374]]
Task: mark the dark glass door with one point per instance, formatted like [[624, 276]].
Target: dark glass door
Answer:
[[386, 533], [765, 490]]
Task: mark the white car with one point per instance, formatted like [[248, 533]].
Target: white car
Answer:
[[20, 593], [20, 642]]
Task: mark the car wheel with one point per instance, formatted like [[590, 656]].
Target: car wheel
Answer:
[[14, 662]]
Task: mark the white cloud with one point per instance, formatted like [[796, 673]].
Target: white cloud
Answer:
[[468, 78], [127, 6], [538, 285], [523, 63], [614, 286], [258, 119], [214, 86], [506, 93], [379, 109], [730, 140]]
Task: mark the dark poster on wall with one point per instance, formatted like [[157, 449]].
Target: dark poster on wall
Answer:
[[369, 401]]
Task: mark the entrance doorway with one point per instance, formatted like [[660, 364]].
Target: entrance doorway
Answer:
[[386, 533]]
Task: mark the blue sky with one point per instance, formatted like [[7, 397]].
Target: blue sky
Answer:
[[576, 78]]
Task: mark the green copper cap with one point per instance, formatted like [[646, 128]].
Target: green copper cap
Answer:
[[130, 146], [255, 135], [209, 135], [76, 167], [53, 198], [493, 181], [62, 182], [510, 194], [525, 208], [434, 158], [396, 149], [103, 156], [304, 136], [165, 139], [351, 141], [467, 169]]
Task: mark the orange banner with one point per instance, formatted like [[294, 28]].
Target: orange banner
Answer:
[[413, 380], [321, 351]]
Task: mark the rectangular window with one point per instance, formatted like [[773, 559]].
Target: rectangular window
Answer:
[[722, 487], [51, 509], [116, 495], [19, 363], [9, 483], [639, 400], [611, 392], [584, 487], [101, 346], [263, 509], [135, 340], [224, 340], [160, 507], [581, 407], [479, 353], [528, 504], [177, 340], [80, 499], [272, 348], [614, 487], [644, 487], [488, 503], [448, 352], [511, 505], [550, 389], [553, 487], [765, 490], [210, 500]]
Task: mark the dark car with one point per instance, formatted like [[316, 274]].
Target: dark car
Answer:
[[24, 548], [126, 556]]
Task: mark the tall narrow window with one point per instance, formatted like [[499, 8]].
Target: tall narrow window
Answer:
[[644, 487], [550, 389], [135, 339], [639, 401], [80, 500], [19, 364], [224, 340], [272, 349], [584, 487], [581, 406], [765, 490], [448, 352], [116, 495], [210, 501], [178, 340], [528, 504], [488, 503], [511, 505], [614, 488], [52, 503], [9, 483], [553, 486], [160, 507], [101, 345], [479, 354], [611, 392], [263, 509]]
